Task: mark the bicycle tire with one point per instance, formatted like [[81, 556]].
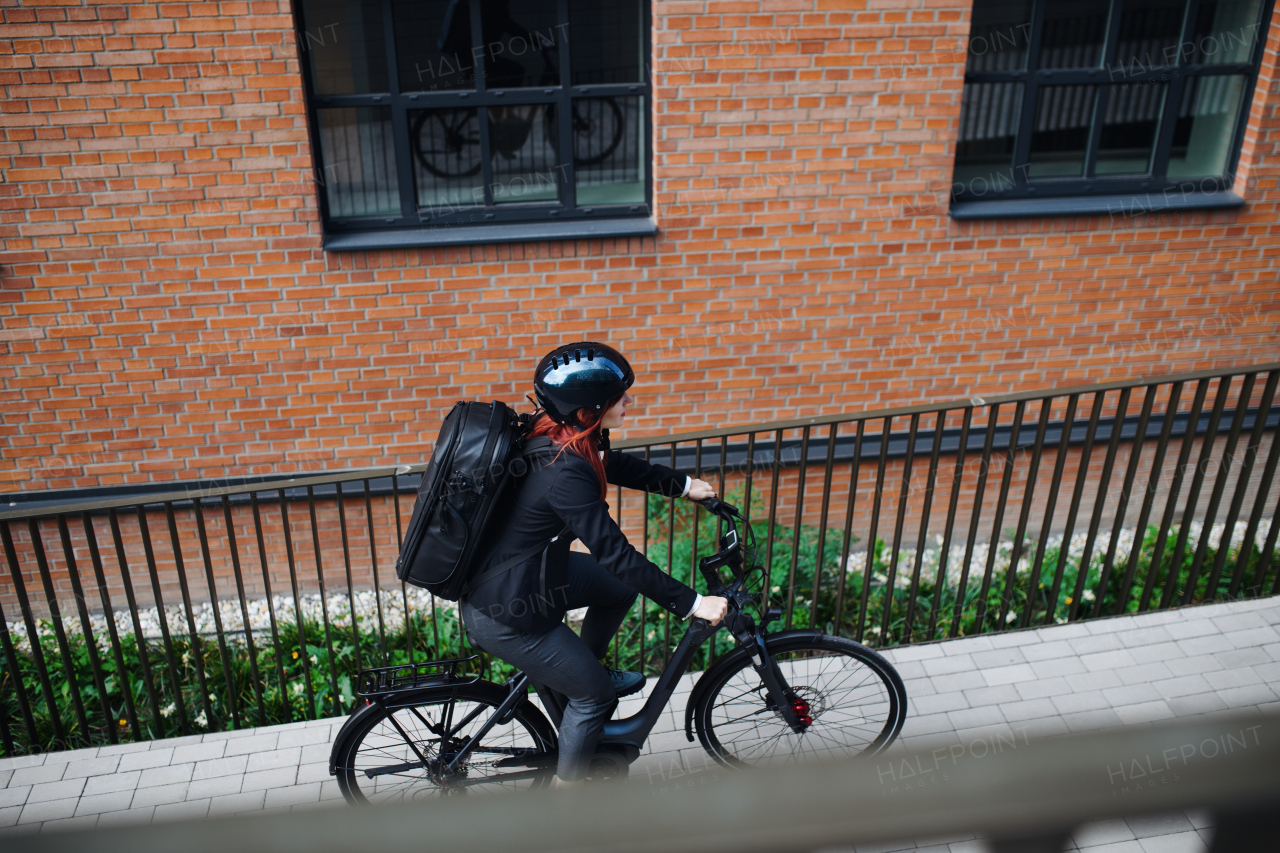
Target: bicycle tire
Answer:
[[553, 132], [452, 138], [373, 762], [738, 728]]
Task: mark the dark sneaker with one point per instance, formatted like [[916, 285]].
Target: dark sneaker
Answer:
[[625, 683]]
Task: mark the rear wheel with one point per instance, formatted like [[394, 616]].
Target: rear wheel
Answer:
[[398, 752], [850, 700]]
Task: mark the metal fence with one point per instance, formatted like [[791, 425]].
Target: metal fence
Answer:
[[894, 526]]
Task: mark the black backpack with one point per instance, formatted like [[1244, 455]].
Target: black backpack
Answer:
[[477, 453]]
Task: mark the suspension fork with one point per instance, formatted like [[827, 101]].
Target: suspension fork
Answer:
[[780, 694]]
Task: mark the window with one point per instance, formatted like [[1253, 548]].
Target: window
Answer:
[[432, 118], [1105, 97]]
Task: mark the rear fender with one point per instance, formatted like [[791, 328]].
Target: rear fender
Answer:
[[732, 660]]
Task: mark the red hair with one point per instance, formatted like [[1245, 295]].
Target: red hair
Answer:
[[584, 442]]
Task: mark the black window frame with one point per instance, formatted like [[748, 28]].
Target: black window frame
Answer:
[[1150, 191], [490, 222]]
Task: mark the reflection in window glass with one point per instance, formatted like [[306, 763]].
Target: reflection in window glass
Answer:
[[433, 45], [1129, 127], [358, 162], [1226, 31], [989, 115], [1061, 131], [607, 41], [998, 36], [524, 144], [1073, 34], [608, 150], [447, 162], [343, 43], [521, 43], [1205, 126], [1149, 34]]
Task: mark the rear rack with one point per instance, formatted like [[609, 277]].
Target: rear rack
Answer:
[[392, 679]]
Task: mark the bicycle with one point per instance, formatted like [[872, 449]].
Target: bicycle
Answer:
[[775, 697]]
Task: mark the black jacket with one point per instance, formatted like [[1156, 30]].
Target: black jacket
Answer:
[[551, 496]]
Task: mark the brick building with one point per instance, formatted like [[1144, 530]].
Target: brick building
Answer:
[[256, 237]]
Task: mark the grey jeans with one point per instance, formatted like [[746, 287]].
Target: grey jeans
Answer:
[[565, 661]]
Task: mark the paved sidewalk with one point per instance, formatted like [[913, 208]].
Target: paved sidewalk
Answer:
[[1128, 670]]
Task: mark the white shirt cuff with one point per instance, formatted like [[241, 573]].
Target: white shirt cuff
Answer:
[[688, 483], [697, 600]]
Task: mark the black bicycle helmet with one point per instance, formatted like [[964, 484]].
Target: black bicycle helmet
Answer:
[[580, 375]]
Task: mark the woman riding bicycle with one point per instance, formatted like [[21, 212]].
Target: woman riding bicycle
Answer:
[[518, 615]]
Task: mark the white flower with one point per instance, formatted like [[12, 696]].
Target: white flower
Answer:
[[168, 710], [202, 720]]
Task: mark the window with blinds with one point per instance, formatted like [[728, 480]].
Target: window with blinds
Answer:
[[1099, 97]]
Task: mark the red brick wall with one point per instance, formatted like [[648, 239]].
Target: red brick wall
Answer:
[[166, 311]]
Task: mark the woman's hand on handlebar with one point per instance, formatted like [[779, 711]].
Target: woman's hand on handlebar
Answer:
[[712, 609], [700, 490]]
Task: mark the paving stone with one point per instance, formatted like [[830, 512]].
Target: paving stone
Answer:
[[1182, 842], [189, 810], [172, 775], [1108, 661], [1193, 664], [313, 773], [14, 795], [293, 795], [123, 748], [1095, 680], [319, 752], [1145, 712], [69, 824], [937, 703], [1070, 703], [91, 767], [234, 765], [1043, 688], [66, 756], [1132, 695], [132, 817], [184, 740], [975, 717], [275, 758], [1145, 826], [1222, 679], [1158, 652], [921, 652], [111, 783], [1089, 720], [99, 803], [1208, 644], [160, 756], [1056, 666], [1230, 622], [265, 779], [304, 737], [1187, 685], [236, 803], [1009, 674], [9, 816], [159, 796], [1028, 710], [37, 774], [219, 786], [998, 658], [1055, 648], [1155, 635], [47, 791], [958, 681], [1190, 706], [1192, 628], [199, 752], [48, 810], [249, 745], [1243, 697], [981, 696], [18, 761]]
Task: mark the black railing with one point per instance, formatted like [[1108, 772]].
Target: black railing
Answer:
[[146, 615]]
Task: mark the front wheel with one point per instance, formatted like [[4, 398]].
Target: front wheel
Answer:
[[850, 700], [395, 752]]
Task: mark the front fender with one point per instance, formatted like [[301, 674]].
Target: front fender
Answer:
[[732, 659]]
